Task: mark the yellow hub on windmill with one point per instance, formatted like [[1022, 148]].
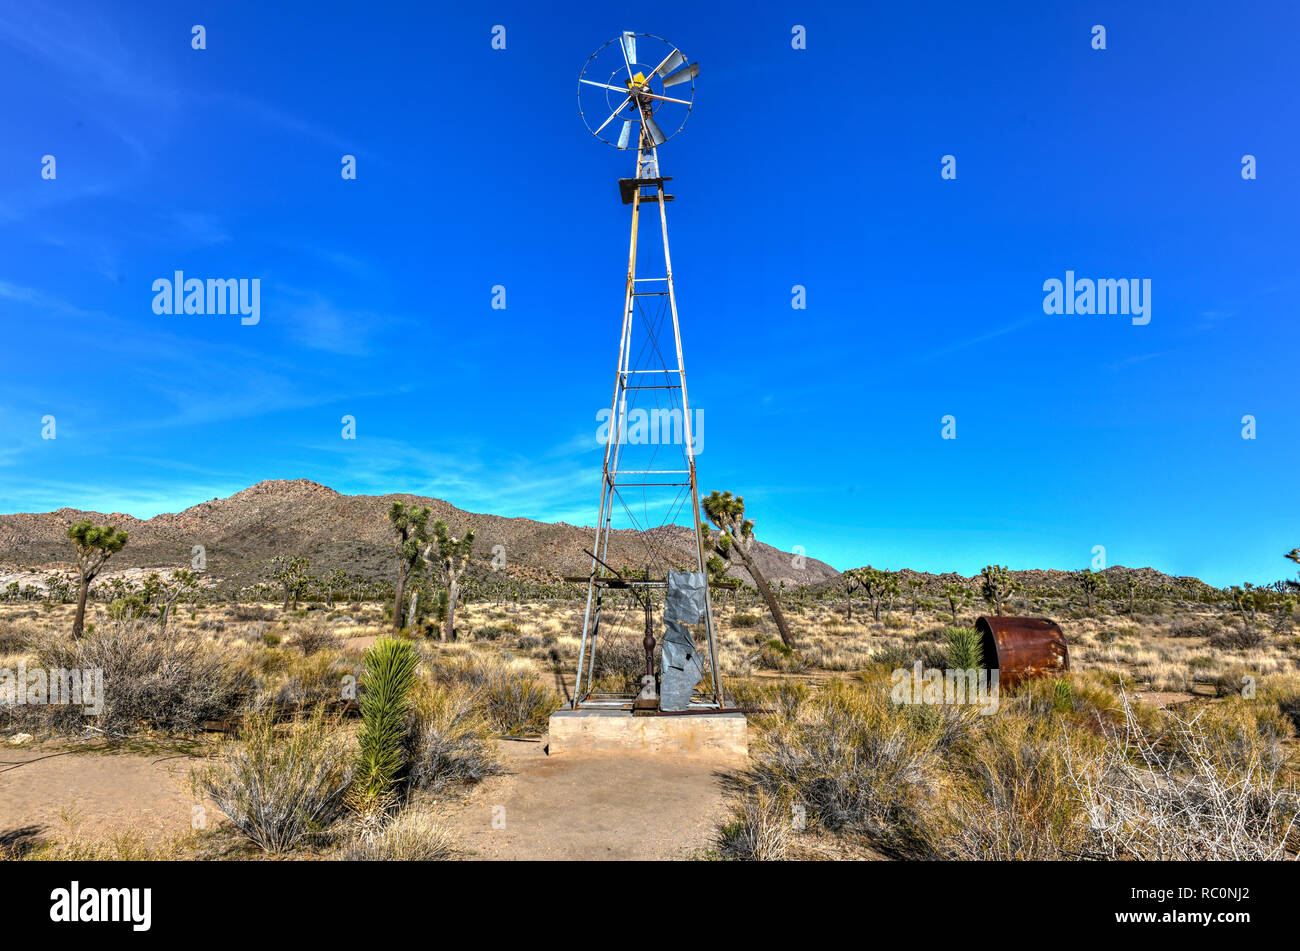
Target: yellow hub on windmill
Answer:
[[637, 80]]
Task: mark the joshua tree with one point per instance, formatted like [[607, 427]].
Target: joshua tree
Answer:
[[876, 585], [410, 522], [452, 556], [852, 583], [1092, 586], [336, 579], [996, 586], [914, 585], [1248, 599], [170, 592], [1294, 555], [958, 596], [717, 569], [892, 591], [95, 545], [1131, 588], [291, 574], [57, 589], [736, 535]]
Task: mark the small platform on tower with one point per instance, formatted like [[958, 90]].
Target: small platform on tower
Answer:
[[627, 188]]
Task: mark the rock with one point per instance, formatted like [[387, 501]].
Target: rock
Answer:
[[18, 739]]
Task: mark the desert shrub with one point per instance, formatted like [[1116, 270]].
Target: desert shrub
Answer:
[[895, 656], [1286, 696], [1179, 794], [450, 741], [279, 785], [314, 637], [965, 650], [1067, 768], [758, 832], [406, 837], [515, 700], [128, 608], [1242, 732], [894, 623], [494, 632], [621, 659], [786, 697], [775, 655], [1238, 637], [1230, 681], [853, 760], [745, 620], [1010, 796], [14, 638], [743, 691], [1080, 697], [386, 685], [835, 657], [253, 612], [1194, 627], [151, 681], [304, 680]]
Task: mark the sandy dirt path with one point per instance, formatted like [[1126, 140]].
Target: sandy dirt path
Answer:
[[561, 807], [103, 794], [590, 807]]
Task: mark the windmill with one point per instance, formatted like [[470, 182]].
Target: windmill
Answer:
[[635, 93]]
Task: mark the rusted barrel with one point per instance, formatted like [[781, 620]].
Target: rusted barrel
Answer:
[[1023, 647]]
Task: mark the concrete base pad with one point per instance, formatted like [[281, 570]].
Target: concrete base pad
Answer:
[[722, 735]]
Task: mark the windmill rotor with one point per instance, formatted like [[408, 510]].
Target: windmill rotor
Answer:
[[636, 83]]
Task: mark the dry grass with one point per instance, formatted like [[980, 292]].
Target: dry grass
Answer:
[[409, 836], [907, 781], [450, 742]]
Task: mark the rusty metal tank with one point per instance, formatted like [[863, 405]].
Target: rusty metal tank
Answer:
[[1022, 647]]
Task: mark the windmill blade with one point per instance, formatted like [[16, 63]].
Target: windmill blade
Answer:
[[690, 72], [671, 62], [625, 134], [613, 114], [656, 137], [650, 95], [628, 42], [591, 82]]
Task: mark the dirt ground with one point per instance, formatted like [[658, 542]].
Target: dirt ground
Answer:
[[49, 792], [590, 807], [542, 808]]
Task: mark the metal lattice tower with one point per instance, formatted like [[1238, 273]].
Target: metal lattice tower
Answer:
[[637, 476]]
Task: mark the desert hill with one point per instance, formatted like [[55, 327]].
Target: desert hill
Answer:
[[243, 532]]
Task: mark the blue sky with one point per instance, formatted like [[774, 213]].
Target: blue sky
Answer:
[[818, 167]]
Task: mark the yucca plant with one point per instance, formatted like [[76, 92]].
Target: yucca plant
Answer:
[[386, 689], [965, 651], [1062, 696]]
